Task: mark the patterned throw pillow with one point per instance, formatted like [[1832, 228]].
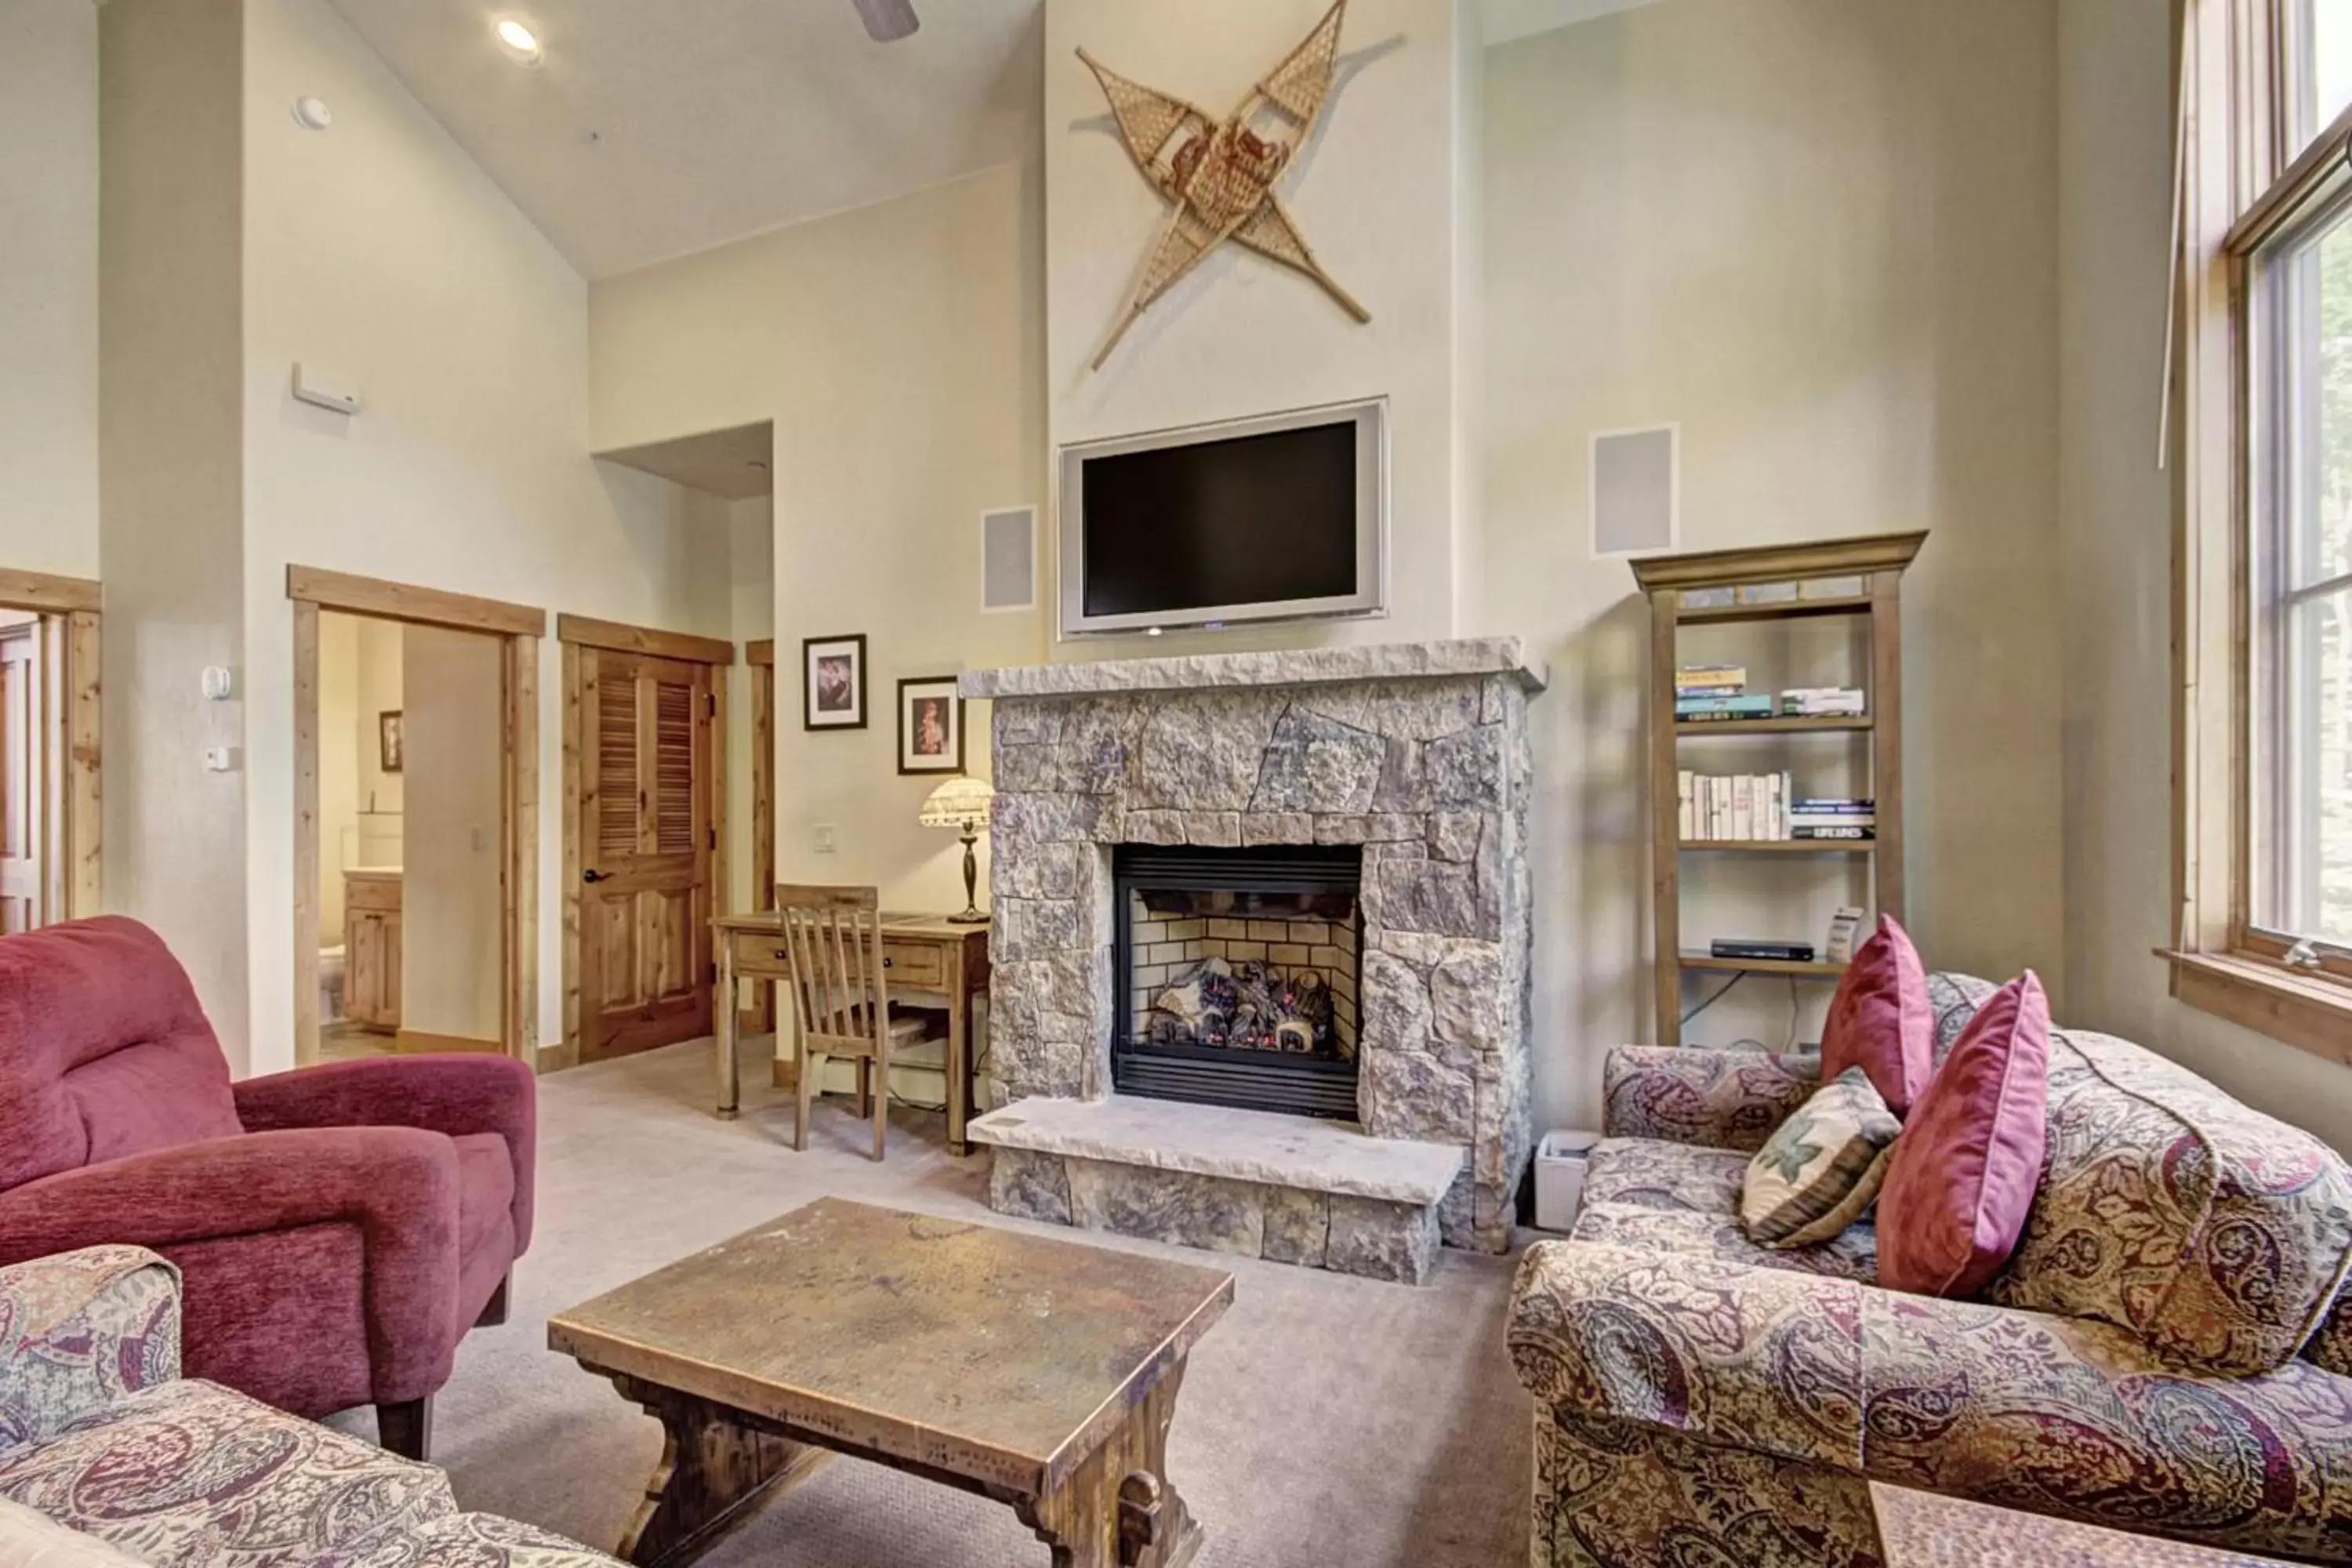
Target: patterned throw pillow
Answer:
[[1821, 1167]]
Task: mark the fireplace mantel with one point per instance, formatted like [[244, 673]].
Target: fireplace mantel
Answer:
[[1453, 658]]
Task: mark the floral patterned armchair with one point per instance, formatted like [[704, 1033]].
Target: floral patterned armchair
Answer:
[[100, 1433], [2162, 1353]]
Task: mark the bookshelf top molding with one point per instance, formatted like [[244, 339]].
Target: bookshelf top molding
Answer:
[[1855, 557]]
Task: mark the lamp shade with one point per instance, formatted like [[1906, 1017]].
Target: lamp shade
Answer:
[[960, 801]]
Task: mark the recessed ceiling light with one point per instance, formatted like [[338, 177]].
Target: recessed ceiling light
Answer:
[[518, 40]]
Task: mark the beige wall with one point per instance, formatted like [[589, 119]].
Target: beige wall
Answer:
[[900, 351], [2115, 135], [379, 250], [172, 486], [449, 909], [1817, 233], [1379, 193], [49, 286]]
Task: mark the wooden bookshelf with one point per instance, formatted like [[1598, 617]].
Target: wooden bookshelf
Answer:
[[1878, 561], [1815, 969], [1702, 728], [1781, 847]]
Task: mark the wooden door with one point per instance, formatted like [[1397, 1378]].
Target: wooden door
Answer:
[[647, 842], [23, 792]]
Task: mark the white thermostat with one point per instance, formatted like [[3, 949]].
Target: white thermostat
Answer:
[[218, 683]]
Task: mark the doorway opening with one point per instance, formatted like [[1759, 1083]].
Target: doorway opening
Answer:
[[49, 800], [645, 833], [415, 850]]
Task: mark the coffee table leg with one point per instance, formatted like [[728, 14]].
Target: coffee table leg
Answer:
[[1118, 1508], [713, 1475]]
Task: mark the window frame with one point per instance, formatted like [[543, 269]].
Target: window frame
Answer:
[[2240, 187]]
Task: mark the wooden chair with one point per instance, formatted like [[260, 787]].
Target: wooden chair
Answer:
[[841, 1005]]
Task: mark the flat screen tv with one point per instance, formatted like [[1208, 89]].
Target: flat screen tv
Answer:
[[1277, 518]]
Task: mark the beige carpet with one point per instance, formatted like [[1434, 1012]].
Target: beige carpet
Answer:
[[1324, 1421]]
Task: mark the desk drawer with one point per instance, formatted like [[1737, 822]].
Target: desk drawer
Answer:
[[916, 964], [761, 952]]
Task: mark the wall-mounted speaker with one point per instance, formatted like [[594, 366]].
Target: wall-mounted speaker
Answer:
[[1636, 490], [1008, 560]]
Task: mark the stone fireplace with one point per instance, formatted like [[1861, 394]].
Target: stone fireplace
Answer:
[[1411, 762]]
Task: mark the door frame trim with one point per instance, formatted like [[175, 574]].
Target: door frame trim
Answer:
[[759, 655], [517, 628], [574, 633], [71, 654]]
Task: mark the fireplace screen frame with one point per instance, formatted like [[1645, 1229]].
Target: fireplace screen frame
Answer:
[[1241, 1078]]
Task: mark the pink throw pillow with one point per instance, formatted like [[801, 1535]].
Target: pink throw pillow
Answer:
[[1879, 1020], [1963, 1174]]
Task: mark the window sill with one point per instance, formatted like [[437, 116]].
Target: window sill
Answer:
[[2311, 1015]]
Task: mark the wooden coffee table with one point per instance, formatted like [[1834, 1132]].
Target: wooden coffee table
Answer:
[[1042, 1373]]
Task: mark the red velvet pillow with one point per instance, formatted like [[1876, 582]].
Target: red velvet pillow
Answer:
[[1963, 1174], [1879, 1020]]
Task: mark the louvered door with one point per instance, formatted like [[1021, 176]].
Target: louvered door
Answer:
[[645, 852]]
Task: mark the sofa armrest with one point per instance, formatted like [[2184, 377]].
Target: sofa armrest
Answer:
[[2027, 1410], [397, 1186], [453, 1095], [1691, 1094], [2067, 1416], [1694, 1345], [81, 1331]]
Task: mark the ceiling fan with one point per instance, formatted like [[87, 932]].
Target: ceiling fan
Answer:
[[888, 21]]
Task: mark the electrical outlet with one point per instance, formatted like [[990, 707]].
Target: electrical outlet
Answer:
[[825, 838]]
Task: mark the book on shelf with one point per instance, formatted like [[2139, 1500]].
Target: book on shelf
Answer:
[[1743, 808], [1705, 709], [1711, 676], [1823, 702], [1866, 831]]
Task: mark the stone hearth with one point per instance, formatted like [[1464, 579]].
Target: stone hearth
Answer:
[[1416, 751]]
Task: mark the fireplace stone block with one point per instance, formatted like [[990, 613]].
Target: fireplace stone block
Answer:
[[1419, 752], [1249, 1184]]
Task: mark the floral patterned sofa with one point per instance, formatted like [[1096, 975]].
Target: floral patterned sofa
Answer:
[[2163, 1354], [99, 1432]]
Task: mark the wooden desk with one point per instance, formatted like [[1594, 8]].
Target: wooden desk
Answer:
[[928, 959]]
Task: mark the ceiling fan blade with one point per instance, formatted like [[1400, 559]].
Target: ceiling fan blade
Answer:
[[888, 21]]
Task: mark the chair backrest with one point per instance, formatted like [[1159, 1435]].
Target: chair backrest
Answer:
[[104, 1051], [832, 940]]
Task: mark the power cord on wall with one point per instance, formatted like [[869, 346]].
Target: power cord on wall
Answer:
[[1720, 992]]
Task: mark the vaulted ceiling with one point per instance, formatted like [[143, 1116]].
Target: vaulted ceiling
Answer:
[[652, 129], [656, 128]]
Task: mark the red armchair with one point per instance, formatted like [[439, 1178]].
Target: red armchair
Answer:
[[338, 1228]]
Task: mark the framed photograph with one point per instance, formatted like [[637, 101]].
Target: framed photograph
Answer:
[[387, 739], [930, 726], [833, 691]]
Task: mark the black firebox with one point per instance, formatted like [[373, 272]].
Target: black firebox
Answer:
[[1236, 973]]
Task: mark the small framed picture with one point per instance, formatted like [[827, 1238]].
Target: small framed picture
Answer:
[[387, 739], [930, 726], [832, 696]]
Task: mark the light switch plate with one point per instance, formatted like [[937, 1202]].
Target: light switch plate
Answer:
[[825, 838]]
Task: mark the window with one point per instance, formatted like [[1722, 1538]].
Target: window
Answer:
[[2300, 574], [2265, 581]]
